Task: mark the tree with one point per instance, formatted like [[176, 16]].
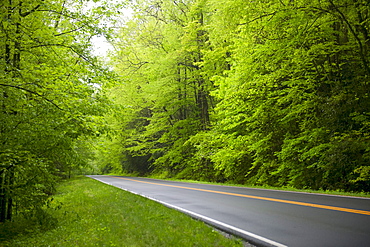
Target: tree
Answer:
[[167, 98], [299, 71], [51, 96], [252, 92]]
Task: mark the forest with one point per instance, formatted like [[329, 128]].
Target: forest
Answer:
[[270, 93]]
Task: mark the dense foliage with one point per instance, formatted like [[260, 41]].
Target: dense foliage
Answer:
[[51, 96], [258, 92]]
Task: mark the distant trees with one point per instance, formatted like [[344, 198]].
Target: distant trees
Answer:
[[270, 93], [165, 98], [51, 96]]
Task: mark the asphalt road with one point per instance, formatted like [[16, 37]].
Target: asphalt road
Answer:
[[264, 217]]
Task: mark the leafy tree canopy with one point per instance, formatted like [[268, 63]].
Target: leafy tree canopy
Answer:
[[52, 97], [254, 92]]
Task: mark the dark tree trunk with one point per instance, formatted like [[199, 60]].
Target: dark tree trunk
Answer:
[[2, 199], [9, 202]]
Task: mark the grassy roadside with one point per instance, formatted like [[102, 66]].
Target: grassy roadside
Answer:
[[86, 212], [266, 187], [326, 192]]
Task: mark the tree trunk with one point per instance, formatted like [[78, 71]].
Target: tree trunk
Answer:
[[2, 199], [9, 202]]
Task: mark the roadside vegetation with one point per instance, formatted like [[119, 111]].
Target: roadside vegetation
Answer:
[[262, 93], [85, 212], [267, 187]]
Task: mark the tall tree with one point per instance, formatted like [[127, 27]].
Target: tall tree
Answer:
[[51, 95], [294, 93]]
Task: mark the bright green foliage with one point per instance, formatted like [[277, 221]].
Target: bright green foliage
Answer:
[[272, 92], [300, 78], [51, 96], [164, 96]]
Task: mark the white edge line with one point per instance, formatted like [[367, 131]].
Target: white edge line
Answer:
[[204, 218]]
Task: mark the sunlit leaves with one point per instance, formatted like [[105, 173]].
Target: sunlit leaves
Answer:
[[51, 94], [289, 83], [266, 92]]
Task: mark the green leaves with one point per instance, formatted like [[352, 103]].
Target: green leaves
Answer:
[[51, 96], [265, 92]]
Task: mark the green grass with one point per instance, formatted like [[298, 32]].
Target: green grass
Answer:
[[327, 192], [86, 212], [266, 187]]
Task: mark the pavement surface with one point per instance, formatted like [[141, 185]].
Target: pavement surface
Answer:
[[262, 217]]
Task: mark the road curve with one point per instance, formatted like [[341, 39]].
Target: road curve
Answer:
[[264, 217]]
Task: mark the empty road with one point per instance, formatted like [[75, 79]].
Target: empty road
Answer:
[[264, 217]]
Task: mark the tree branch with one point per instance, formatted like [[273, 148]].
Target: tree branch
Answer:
[[31, 11], [343, 17], [32, 92], [259, 17]]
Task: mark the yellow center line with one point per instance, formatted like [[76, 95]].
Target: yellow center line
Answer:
[[348, 210]]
